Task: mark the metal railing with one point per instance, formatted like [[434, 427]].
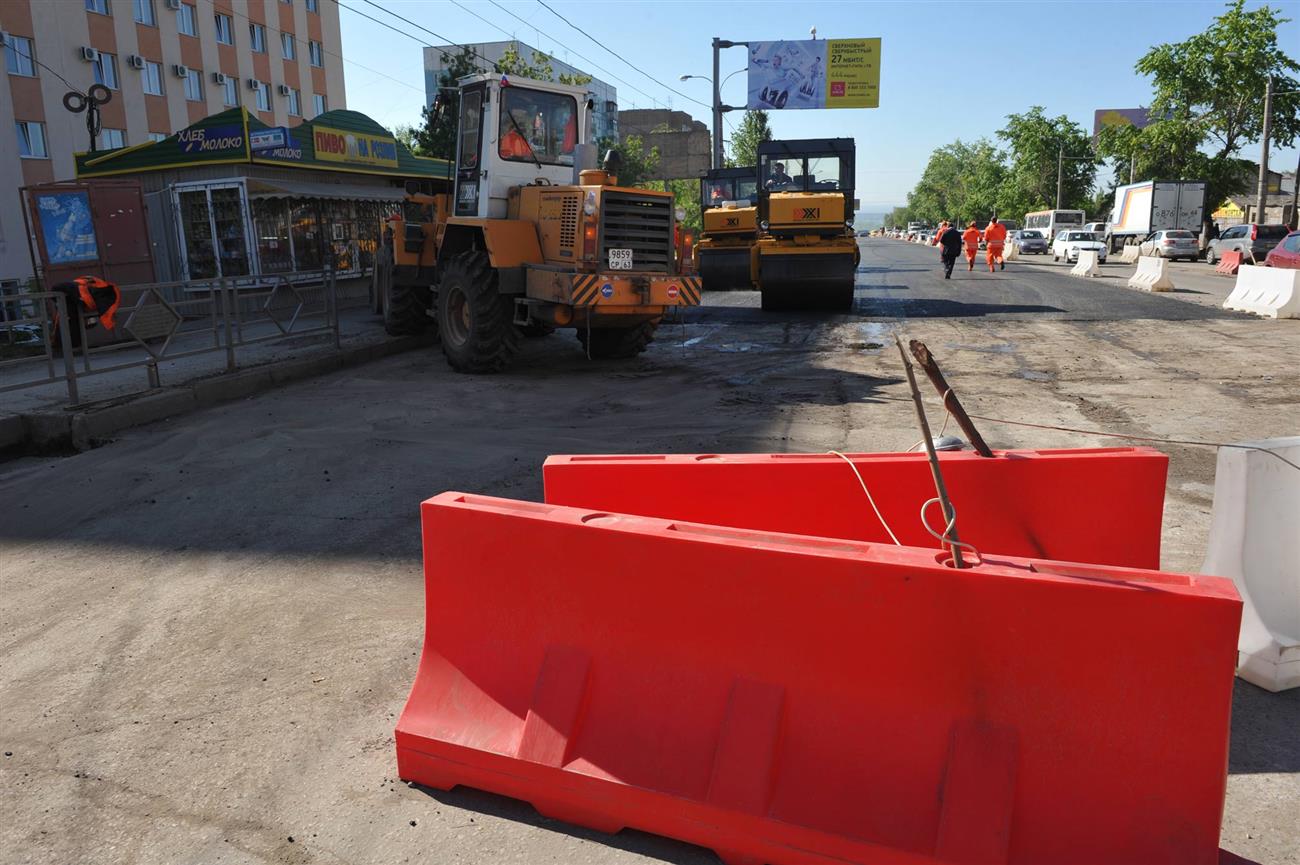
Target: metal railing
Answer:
[[163, 322]]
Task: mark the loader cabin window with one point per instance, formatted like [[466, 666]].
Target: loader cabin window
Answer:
[[802, 173], [537, 125]]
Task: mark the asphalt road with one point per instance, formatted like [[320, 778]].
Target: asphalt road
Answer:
[[209, 625], [898, 280]]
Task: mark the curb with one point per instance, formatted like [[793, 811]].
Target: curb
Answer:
[[87, 426]]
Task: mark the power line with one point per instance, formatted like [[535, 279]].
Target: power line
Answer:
[[585, 60], [481, 18], [492, 63], [13, 46], [620, 57]]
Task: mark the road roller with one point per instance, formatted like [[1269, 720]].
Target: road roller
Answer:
[[728, 202], [806, 254]]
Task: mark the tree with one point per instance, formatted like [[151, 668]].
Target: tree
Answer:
[[407, 135], [1035, 141], [1208, 100], [686, 195], [754, 130], [961, 182], [436, 134], [512, 63], [638, 163]]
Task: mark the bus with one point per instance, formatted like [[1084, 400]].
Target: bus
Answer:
[[1051, 221]]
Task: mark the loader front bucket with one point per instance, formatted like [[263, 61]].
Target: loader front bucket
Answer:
[[795, 700], [1099, 505]]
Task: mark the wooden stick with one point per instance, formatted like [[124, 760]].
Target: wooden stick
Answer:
[[950, 401], [948, 514]]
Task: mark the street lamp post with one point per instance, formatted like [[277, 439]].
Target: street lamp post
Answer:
[[1060, 171], [1262, 194], [718, 108]]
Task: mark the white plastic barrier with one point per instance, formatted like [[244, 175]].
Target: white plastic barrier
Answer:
[[1255, 541], [1130, 253], [1152, 274], [1087, 264], [1269, 291], [1011, 251]]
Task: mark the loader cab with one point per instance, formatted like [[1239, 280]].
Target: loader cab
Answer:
[[515, 132], [805, 183]]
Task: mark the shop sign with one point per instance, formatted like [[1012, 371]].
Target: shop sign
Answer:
[[210, 139], [268, 139], [354, 148]]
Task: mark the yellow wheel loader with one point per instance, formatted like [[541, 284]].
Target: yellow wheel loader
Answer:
[[806, 256], [528, 240], [728, 205]]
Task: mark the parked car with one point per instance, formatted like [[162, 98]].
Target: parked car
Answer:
[[1029, 242], [1097, 228], [1068, 243], [1286, 253], [1173, 244], [1253, 240]]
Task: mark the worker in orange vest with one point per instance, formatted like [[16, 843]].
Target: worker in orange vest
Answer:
[[971, 237], [943, 226], [995, 237], [93, 300]]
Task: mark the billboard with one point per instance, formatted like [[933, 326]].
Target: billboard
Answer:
[[1137, 117], [67, 227], [814, 73], [356, 148]]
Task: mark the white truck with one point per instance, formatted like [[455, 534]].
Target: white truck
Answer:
[[1155, 205]]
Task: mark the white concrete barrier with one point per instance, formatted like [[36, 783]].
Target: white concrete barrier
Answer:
[[1087, 264], [1255, 541], [1269, 291], [1011, 251], [1130, 253], [1152, 274]]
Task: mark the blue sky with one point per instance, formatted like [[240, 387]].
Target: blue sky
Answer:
[[949, 69]]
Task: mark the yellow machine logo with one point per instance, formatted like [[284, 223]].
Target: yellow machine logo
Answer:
[[803, 213]]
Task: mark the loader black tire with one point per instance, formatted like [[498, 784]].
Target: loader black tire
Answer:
[[406, 308], [381, 276], [475, 321], [611, 343]]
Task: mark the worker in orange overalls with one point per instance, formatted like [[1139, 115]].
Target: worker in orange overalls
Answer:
[[995, 237], [971, 237], [943, 226]]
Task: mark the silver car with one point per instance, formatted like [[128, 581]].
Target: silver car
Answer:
[[1173, 244], [1029, 242]]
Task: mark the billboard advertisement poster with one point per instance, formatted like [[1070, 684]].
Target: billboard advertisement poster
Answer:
[[66, 227], [814, 73], [1136, 117]]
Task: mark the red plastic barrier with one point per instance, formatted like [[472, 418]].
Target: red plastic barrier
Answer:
[[1230, 263], [1100, 505], [786, 699]]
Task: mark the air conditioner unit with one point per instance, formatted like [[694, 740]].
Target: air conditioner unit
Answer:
[[283, 89], [135, 61], [254, 84], [173, 4], [181, 71], [219, 78], [90, 55]]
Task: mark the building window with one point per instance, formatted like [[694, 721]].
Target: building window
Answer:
[[99, 6], [157, 136], [263, 96], [20, 58], [316, 54], [225, 30], [144, 12], [193, 85], [257, 35], [230, 91], [151, 78], [313, 5], [185, 21], [288, 46], [106, 69], [111, 139], [318, 105], [31, 140], [295, 103]]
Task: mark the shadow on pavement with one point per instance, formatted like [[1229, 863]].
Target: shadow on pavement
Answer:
[[901, 308], [1264, 730]]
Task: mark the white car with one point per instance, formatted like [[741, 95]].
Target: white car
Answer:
[[1068, 243]]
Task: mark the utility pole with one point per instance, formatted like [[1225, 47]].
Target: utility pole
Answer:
[[1262, 197], [717, 103], [1060, 175]]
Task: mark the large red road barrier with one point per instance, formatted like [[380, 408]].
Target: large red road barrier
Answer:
[[1230, 263], [795, 700], [1101, 506]]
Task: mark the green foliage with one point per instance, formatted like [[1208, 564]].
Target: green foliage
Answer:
[[961, 182], [639, 162], [1209, 93], [1034, 142], [540, 69], [899, 217], [436, 134], [753, 130], [686, 195]]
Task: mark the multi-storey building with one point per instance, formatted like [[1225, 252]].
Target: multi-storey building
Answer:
[[167, 64], [605, 96]]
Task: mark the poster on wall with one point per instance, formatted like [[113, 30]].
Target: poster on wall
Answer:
[[66, 227], [814, 73]]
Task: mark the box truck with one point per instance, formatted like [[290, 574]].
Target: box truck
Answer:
[[1155, 205]]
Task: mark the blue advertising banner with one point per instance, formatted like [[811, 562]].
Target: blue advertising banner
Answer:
[[66, 226]]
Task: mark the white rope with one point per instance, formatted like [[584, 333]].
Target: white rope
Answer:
[[858, 475], [944, 540]]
